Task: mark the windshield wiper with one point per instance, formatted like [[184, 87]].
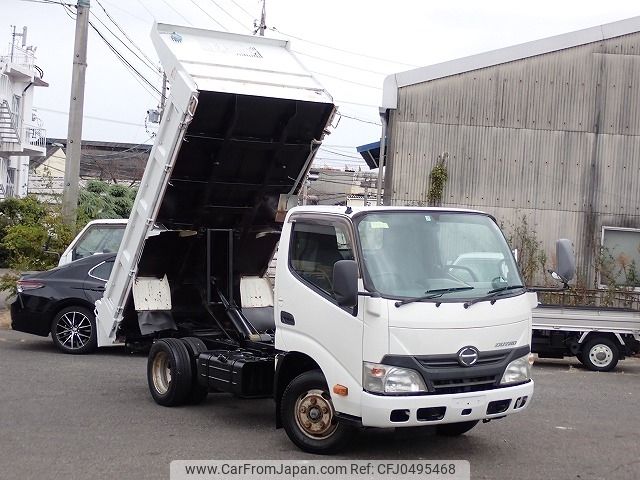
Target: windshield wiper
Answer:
[[492, 294], [435, 293]]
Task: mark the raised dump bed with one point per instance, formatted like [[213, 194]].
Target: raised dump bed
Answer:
[[240, 129]]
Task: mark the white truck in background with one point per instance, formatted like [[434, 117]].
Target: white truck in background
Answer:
[[370, 324]]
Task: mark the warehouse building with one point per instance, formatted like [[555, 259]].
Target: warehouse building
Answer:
[[548, 129]]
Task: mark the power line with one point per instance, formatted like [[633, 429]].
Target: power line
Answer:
[[345, 80], [341, 49], [147, 10], [179, 14], [92, 117], [207, 14], [377, 72], [360, 119], [339, 153], [151, 62], [253, 17], [230, 16], [125, 62], [355, 103], [150, 66]]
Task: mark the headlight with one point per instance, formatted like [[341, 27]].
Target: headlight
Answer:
[[517, 371], [379, 378]]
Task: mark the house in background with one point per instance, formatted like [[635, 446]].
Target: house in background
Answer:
[[109, 161], [21, 134]]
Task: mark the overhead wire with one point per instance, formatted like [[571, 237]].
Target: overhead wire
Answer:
[[360, 119], [151, 62], [345, 80], [207, 14], [150, 66], [339, 153], [156, 92], [92, 117], [376, 72], [176, 11], [230, 16], [274, 29], [253, 17]]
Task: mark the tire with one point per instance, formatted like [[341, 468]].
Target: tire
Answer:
[[455, 429], [73, 330], [169, 372], [198, 392], [600, 354], [309, 418]]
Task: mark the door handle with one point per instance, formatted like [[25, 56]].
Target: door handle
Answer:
[[287, 318]]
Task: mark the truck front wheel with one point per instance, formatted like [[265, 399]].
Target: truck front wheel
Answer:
[[169, 372], [600, 354], [308, 415]]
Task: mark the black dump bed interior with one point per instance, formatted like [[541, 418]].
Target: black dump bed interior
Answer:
[[239, 154]]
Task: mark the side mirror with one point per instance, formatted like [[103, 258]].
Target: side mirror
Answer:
[[566, 261], [345, 283]]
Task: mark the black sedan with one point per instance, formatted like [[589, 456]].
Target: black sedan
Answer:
[[61, 302]]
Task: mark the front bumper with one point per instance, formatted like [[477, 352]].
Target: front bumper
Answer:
[[412, 411]]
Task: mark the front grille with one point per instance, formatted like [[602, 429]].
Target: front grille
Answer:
[[463, 385], [448, 361]]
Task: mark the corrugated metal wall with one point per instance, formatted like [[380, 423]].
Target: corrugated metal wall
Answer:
[[555, 137]]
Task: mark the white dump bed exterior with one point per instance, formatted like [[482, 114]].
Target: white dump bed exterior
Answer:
[[200, 61]]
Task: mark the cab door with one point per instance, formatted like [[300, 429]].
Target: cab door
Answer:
[[308, 318]]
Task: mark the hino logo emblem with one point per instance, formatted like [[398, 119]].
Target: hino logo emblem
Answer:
[[468, 356]]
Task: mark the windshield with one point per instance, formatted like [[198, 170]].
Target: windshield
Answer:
[[408, 254]]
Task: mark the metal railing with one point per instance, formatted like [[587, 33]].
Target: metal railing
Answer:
[[5, 92], [36, 136], [9, 130], [19, 56]]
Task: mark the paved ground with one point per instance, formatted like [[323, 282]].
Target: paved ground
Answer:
[[64, 416]]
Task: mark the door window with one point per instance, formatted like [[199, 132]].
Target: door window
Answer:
[[315, 249]]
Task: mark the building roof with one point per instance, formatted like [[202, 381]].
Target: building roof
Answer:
[[504, 55]]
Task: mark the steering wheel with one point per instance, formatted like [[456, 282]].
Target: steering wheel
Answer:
[[473, 275]]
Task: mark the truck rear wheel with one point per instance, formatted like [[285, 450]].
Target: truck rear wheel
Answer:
[[169, 372], [600, 354], [198, 392], [455, 429], [308, 415]]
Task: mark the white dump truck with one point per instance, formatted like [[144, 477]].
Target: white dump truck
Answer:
[[371, 322]]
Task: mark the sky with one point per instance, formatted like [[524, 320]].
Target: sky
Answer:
[[369, 39]]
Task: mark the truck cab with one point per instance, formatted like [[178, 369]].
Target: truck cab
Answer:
[[413, 342]]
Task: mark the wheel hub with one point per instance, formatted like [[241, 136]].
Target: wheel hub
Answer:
[[161, 373], [315, 415], [601, 355]]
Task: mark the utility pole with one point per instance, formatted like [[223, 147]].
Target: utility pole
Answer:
[[76, 109], [263, 19]]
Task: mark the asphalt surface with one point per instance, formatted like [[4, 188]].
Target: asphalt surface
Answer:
[[65, 416]]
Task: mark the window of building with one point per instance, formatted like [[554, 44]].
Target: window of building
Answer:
[[619, 261], [315, 249]]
